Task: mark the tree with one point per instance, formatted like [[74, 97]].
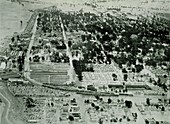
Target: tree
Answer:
[[30, 102], [114, 75], [168, 69], [92, 104], [97, 97], [167, 53], [69, 43], [124, 70], [71, 118], [109, 101], [133, 70], [12, 39], [78, 69], [139, 68], [125, 77], [101, 109], [97, 108], [148, 101], [20, 67]]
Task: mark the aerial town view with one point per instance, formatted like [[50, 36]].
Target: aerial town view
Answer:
[[85, 61]]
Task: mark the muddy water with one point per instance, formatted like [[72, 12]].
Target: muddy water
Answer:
[[10, 16], [11, 13]]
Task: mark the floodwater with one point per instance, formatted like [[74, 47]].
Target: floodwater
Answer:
[[11, 13]]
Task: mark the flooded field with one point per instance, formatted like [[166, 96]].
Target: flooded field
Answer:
[[11, 13]]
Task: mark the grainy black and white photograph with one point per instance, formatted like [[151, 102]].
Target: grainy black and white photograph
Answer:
[[84, 61]]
